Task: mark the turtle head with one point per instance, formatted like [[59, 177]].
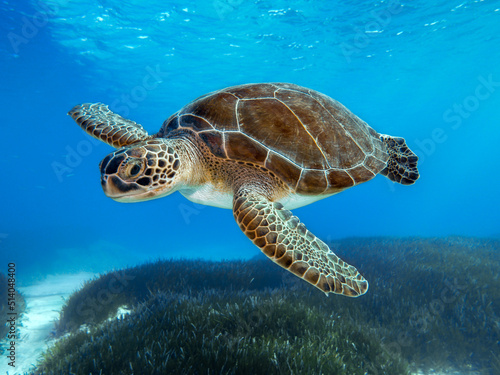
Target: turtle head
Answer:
[[141, 171]]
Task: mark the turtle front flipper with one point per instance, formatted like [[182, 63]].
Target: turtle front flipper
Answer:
[[98, 121], [284, 239]]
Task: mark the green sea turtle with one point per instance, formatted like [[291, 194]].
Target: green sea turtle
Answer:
[[261, 150]]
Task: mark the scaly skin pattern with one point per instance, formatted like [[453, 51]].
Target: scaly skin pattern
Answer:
[[402, 164], [98, 121], [146, 169], [286, 241]]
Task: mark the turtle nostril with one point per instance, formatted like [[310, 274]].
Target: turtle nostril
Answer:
[[104, 180]]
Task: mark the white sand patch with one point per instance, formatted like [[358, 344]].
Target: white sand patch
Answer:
[[44, 301], [120, 313]]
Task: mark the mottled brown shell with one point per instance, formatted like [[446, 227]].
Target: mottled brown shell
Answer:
[[312, 142]]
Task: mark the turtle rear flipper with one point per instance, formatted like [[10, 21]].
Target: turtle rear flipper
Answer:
[[101, 123], [402, 164], [287, 242]]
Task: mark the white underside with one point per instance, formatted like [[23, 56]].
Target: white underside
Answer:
[[210, 196]]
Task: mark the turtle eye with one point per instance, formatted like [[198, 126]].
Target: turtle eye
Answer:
[[133, 169]]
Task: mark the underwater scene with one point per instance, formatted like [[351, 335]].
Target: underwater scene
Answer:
[[240, 131]]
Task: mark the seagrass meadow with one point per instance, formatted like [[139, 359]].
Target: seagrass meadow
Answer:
[[433, 305]]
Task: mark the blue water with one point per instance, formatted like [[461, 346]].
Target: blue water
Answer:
[[425, 70]]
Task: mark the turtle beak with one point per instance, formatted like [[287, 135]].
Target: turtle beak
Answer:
[[115, 188]]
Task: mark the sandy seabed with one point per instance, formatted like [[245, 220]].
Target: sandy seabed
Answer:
[[44, 301]]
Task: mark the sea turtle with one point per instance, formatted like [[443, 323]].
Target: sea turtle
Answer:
[[261, 150]]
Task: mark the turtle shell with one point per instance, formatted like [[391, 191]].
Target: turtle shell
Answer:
[[310, 141]]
